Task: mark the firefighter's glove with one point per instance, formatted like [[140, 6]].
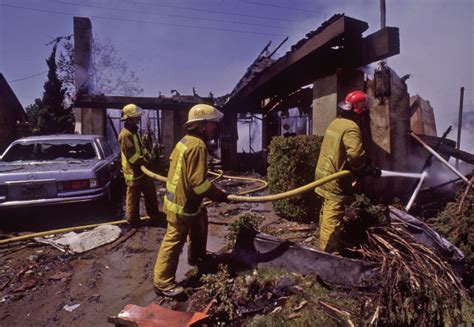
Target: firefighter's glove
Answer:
[[217, 195], [376, 172], [368, 170], [223, 197], [147, 158]]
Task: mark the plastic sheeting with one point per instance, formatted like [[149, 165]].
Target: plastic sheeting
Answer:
[[81, 242], [427, 236], [259, 249]]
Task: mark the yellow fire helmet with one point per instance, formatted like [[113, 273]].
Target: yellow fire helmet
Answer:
[[131, 110], [203, 112]]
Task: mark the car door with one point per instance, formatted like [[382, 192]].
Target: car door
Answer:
[[113, 163]]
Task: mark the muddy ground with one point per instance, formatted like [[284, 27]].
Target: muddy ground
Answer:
[[38, 283]]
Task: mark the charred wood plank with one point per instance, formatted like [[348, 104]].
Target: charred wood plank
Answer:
[[380, 45], [118, 102]]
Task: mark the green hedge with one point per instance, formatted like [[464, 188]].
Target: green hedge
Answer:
[[292, 161]]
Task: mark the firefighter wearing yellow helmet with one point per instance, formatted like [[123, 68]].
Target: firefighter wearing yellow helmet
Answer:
[[134, 155], [186, 187], [341, 149]]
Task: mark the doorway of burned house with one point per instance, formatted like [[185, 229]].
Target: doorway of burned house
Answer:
[[151, 122], [249, 144], [250, 125], [294, 122]]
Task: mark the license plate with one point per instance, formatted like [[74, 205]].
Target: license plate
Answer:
[[33, 191]]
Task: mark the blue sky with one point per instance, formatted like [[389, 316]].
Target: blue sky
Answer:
[[210, 43]]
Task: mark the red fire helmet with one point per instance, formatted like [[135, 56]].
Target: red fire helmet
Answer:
[[355, 101]]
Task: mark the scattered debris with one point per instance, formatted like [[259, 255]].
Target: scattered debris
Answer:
[[6, 253], [60, 275], [414, 283], [466, 192], [155, 315], [304, 228], [26, 285], [241, 296], [71, 307], [81, 242], [334, 311], [5, 284], [300, 306], [294, 315], [122, 239], [458, 226]]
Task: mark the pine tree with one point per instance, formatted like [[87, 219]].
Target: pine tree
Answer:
[[53, 117]]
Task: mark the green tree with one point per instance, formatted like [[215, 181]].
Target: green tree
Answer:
[[32, 110], [53, 117]]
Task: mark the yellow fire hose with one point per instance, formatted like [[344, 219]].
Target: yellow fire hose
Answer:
[[233, 197], [240, 178], [61, 230], [264, 198]]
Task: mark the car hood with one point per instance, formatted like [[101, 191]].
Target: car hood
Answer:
[[47, 169]]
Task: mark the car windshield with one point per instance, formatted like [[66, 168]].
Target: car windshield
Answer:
[[51, 150]]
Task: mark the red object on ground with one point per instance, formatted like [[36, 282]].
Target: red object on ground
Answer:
[[156, 316]]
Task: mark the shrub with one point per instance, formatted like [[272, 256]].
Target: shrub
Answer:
[[247, 221], [292, 162], [457, 226]]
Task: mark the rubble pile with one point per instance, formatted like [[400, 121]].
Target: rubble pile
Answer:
[[456, 221], [415, 284], [264, 297], [37, 271]]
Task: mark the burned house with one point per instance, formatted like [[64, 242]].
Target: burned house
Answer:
[[11, 114], [310, 79]]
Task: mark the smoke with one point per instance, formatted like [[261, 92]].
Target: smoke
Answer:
[[467, 138]]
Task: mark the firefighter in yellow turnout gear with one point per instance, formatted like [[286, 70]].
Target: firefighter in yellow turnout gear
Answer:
[[341, 149], [186, 187], [134, 155]]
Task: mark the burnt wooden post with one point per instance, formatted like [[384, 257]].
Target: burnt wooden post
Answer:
[[328, 91], [229, 136], [88, 120], [458, 139], [387, 139], [173, 128]]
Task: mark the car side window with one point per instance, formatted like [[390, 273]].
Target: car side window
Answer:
[[105, 147]]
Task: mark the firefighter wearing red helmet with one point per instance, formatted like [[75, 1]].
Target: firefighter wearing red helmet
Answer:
[[341, 149], [355, 102]]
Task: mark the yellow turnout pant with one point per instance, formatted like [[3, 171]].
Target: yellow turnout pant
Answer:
[[330, 224], [179, 227], [132, 200]]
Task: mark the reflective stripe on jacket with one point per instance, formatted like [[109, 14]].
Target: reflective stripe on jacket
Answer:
[[341, 149], [187, 177], [133, 155]]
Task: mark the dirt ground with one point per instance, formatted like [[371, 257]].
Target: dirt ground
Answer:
[[39, 283]]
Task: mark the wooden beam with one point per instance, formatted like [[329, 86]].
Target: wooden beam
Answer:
[[449, 149], [118, 102], [300, 99], [380, 45]]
